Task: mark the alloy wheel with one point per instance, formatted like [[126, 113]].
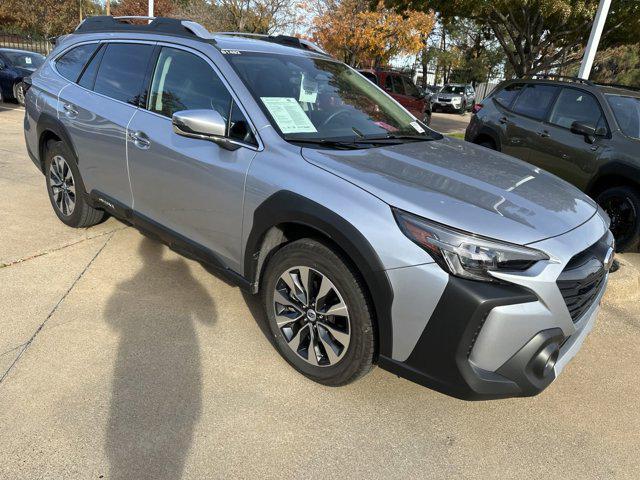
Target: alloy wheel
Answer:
[[63, 187], [312, 316], [20, 94], [623, 216]]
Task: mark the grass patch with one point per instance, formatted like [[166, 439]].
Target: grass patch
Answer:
[[459, 135]]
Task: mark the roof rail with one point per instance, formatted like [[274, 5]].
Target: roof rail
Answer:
[[618, 85], [287, 40], [562, 78], [162, 25]]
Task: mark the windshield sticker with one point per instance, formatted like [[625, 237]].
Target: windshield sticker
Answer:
[[27, 60], [417, 126], [308, 90], [288, 114]]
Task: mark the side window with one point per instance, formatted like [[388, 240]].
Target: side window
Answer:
[[71, 63], [239, 128], [576, 106], [88, 77], [409, 88], [506, 95], [122, 71], [534, 101], [173, 90], [370, 76], [388, 83], [397, 85]]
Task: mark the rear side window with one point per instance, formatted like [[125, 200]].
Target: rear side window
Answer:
[[88, 77], [71, 63], [576, 106], [122, 71], [183, 81], [370, 76], [535, 100], [505, 96]]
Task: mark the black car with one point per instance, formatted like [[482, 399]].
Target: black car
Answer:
[[586, 133], [15, 65]]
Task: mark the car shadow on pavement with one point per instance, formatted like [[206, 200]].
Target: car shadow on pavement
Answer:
[[156, 397]]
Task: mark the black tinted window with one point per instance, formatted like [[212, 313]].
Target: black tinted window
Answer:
[[507, 94], [239, 127], [370, 76], [534, 101], [88, 77], [183, 81], [576, 106], [122, 71], [71, 63], [409, 88]]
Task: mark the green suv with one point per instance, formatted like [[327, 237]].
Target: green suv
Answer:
[[586, 133]]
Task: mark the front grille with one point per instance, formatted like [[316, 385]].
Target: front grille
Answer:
[[583, 277], [444, 99]]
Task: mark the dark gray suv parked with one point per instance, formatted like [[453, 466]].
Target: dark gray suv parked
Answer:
[[587, 134], [370, 238]]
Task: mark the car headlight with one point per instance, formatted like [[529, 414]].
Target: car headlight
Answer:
[[464, 254]]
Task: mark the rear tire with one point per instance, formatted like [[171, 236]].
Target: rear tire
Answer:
[[303, 317], [622, 204], [66, 189]]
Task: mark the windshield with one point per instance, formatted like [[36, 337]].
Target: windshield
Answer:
[[627, 113], [322, 100], [27, 60], [452, 89]]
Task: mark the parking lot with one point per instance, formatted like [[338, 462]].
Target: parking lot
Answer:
[[120, 359]]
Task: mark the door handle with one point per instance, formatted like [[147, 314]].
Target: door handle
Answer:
[[140, 140], [503, 120], [544, 134], [69, 110]]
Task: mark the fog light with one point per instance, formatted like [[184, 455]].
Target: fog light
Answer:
[[545, 361]]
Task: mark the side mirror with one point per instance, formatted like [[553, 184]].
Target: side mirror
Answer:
[[587, 131], [202, 124]]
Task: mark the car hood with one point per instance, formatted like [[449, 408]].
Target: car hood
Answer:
[[465, 186]]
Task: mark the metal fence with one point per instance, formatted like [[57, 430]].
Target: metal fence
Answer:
[[25, 42]]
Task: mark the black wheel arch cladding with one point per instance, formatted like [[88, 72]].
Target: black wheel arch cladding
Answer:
[[49, 123], [285, 207]]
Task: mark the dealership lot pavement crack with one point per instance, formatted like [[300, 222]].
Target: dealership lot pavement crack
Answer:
[[26, 345]]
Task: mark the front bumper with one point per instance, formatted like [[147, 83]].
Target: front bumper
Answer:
[[442, 105], [491, 340]]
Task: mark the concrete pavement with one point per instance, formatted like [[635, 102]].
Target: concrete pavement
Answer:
[[449, 122], [121, 360]]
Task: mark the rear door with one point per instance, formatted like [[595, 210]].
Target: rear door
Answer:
[[523, 127], [97, 110], [564, 153], [190, 186]]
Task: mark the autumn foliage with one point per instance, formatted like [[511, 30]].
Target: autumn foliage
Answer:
[[367, 37]]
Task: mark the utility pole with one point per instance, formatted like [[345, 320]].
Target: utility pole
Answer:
[[594, 39], [80, 10], [108, 7], [151, 8]]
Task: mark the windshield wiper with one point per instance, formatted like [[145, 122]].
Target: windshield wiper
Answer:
[[328, 143], [393, 138]]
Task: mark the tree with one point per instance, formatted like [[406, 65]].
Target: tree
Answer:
[[46, 17], [367, 37], [538, 35], [251, 16], [161, 8], [618, 65]]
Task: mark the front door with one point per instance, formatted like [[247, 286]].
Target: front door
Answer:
[[190, 186], [566, 154]]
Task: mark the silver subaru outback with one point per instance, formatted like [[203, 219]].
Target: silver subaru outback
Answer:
[[370, 238]]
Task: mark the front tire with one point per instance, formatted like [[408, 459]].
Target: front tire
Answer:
[[622, 204], [66, 190], [19, 92], [319, 313]]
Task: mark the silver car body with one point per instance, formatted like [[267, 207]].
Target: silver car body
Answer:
[[217, 194]]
